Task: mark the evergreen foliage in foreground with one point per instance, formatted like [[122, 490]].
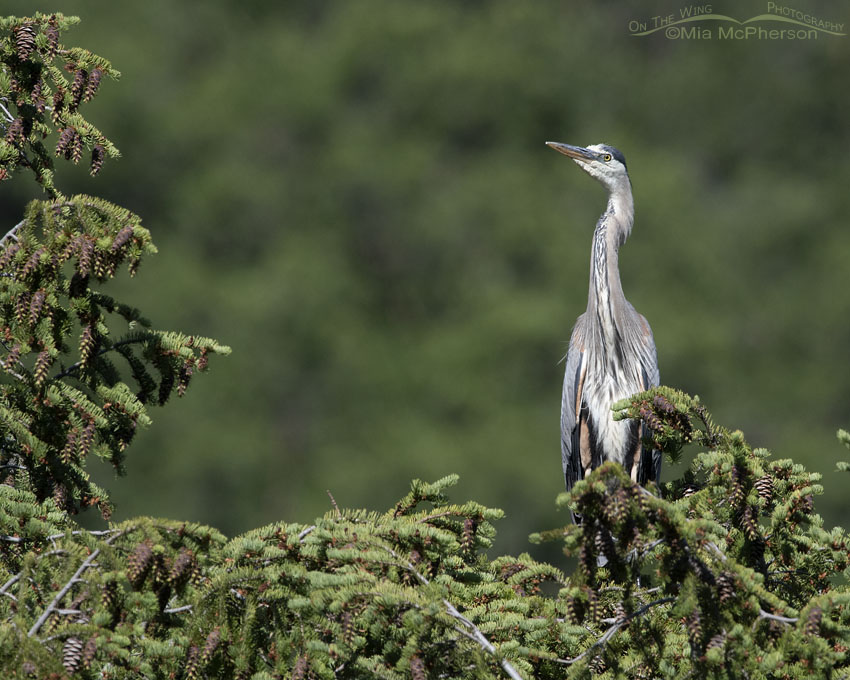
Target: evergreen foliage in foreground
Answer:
[[725, 573]]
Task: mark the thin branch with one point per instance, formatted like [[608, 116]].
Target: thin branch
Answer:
[[333, 502], [775, 617], [9, 116], [12, 581], [98, 532], [64, 591], [619, 623], [11, 233], [177, 610], [304, 533], [75, 367]]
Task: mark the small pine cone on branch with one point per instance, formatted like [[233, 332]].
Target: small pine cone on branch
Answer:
[[87, 438], [32, 262], [467, 539], [193, 659], [97, 157], [299, 671], [121, 238], [417, 668], [347, 625], [737, 496], [15, 132], [726, 586], [88, 652], [70, 448], [593, 605], [77, 148], [184, 376], [52, 33], [36, 305], [182, 567], [748, 521], [78, 88], [60, 497], [764, 486], [87, 343], [12, 358], [24, 40], [22, 304], [812, 626], [716, 641], [58, 105], [86, 255], [662, 404], [37, 100], [72, 654], [65, 142], [139, 563], [42, 364], [109, 598], [694, 624], [92, 83], [212, 643]]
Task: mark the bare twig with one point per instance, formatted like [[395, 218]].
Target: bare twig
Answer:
[[775, 617], [177, 610], [12, 581], [304, 533], [98, 532], [333, 502], [11, 233], [9, 116]]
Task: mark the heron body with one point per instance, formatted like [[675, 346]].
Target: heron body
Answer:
[[611, 353]]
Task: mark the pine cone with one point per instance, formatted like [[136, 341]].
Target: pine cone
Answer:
[[417, 668], [78, 87], [299, 671], [66, 141], [97, 157], [812, 626], [211, 644], [24, 40], [72, 654], [182, 567], [52, 33], [89, 652], [764, 486], [139, 563], [92, 83]]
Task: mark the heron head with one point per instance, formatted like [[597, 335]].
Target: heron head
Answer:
[[603, 162]]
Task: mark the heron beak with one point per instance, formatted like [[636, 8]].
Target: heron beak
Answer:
[[577, 152]]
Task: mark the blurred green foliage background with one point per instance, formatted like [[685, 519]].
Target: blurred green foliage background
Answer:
[[356, 197]]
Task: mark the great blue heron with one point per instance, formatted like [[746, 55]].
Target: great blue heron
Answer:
[[612, 353]]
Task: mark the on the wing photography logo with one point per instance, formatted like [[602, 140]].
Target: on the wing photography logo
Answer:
[[699, 22]]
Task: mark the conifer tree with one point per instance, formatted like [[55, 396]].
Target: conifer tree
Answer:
[[727, 572]]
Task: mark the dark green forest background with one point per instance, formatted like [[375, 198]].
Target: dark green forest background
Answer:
[[356, 197]]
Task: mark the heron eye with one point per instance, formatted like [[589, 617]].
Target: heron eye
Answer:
[[606, 157]]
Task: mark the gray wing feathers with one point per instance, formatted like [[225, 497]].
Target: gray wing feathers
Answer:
[[569, 398], [650, 460]]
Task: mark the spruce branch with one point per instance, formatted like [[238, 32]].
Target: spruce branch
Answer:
[[472, 631], [618, 623], [88, 562]]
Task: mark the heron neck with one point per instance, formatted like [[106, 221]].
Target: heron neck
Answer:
[[606, 292]]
